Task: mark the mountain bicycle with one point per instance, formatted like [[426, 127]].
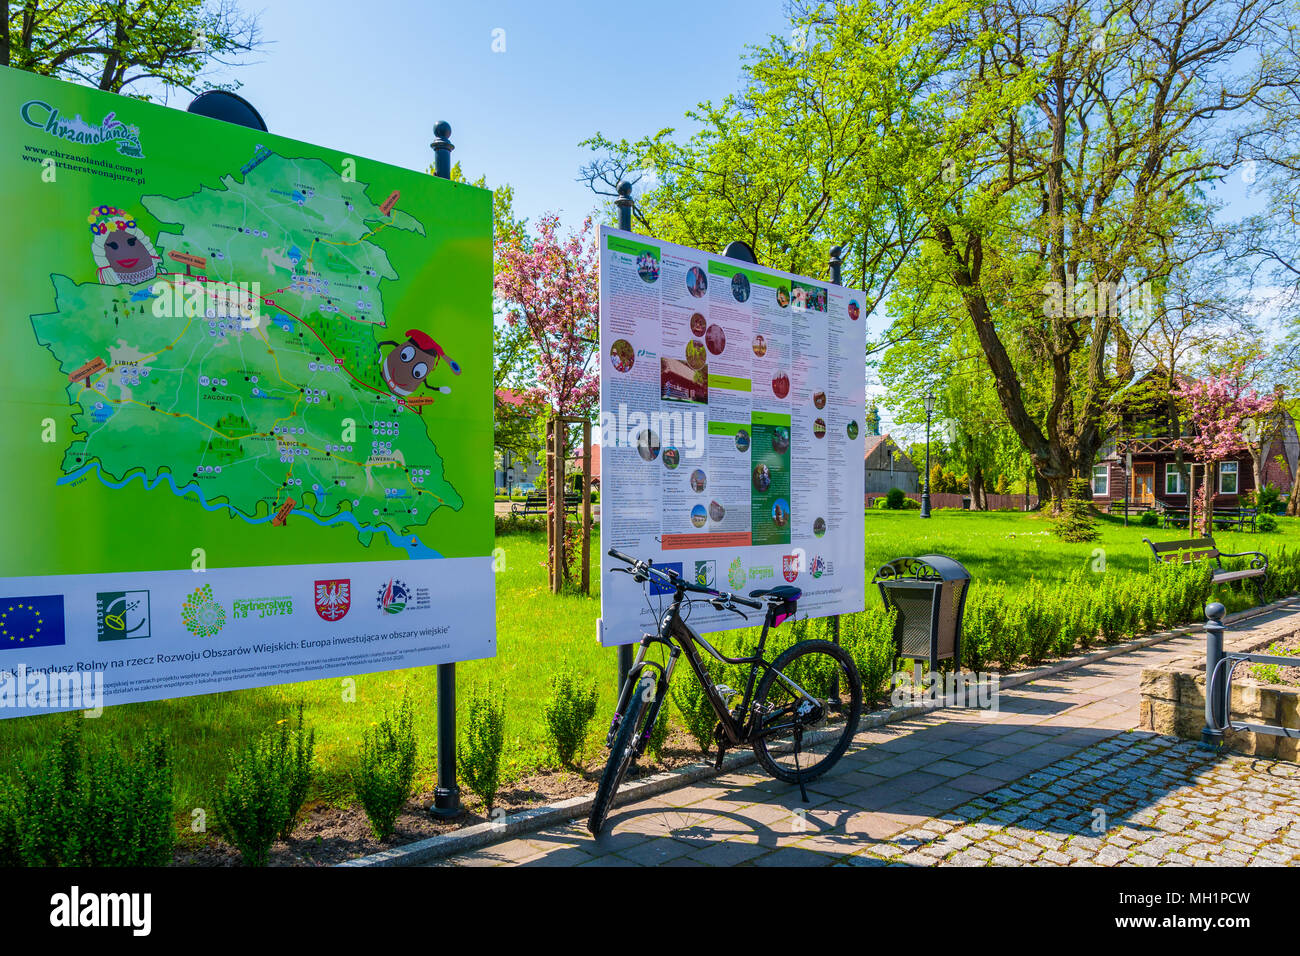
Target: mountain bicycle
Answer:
[[799, 716]]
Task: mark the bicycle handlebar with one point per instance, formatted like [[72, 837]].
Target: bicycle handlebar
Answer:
[[673, 580]]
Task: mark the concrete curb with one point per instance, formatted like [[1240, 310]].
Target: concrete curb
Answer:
[[528, 821]]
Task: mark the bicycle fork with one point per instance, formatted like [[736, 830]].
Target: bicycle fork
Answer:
[[633, 680]]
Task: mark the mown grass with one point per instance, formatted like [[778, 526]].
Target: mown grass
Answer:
[[534, 630]]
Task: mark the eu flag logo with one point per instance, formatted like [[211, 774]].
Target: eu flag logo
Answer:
[[31, 621]]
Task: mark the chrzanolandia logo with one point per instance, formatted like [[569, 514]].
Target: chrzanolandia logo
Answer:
[[736, 574], [201, 614], [110, 129]]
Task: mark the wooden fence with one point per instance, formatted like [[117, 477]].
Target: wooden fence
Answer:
[[952, 500]]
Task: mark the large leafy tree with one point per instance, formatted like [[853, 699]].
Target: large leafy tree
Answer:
[[969, 434], [1013, 158], [128, 46], [810, 154], [1093, 182]]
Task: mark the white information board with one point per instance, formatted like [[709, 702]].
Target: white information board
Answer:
[[732, 404]]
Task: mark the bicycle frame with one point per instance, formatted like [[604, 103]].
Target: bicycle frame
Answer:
[[679, 637]]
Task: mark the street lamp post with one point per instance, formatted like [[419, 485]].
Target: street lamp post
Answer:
[[925, 495]]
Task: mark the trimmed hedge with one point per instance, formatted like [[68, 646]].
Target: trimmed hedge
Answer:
[[1005, 628]]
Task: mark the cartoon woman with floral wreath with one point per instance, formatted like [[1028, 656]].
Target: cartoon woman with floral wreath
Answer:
[[123, 253]]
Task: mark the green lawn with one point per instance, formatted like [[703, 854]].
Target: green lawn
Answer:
[[1013, 547], [535, 629]]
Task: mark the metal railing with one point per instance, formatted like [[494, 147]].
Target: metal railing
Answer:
[[1220, 666]]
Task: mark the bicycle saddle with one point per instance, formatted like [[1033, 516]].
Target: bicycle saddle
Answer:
[[783, 593]]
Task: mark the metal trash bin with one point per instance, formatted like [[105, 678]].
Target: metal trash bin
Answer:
[[929, 593]]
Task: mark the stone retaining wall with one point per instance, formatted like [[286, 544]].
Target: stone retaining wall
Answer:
[[1173, 701]]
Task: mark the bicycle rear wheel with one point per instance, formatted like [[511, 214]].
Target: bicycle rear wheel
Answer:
[[809, 742], [622, 753]]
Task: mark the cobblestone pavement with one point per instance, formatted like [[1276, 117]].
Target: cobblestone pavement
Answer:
[[1056, 776]]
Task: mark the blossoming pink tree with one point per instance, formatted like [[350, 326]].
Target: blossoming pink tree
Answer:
[[551, 284], [1219, 408]]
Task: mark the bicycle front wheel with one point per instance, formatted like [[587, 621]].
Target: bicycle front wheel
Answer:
[[806, 740], [622, 753]]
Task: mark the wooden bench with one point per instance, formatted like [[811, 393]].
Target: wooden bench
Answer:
[[1219, 517], [1190, 550], [535, 504]]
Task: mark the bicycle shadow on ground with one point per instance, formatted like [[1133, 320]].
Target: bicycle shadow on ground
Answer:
[[852, 809]]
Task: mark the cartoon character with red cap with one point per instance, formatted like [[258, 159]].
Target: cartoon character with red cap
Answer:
[[407, 365]]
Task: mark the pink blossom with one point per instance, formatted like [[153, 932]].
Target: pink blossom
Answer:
[[1219, 407], [552, 285]]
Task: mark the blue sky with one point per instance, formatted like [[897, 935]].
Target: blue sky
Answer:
[[372, 78]]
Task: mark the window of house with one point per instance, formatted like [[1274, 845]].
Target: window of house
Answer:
[[1101, 480], [1175, 481], [1228, 478]]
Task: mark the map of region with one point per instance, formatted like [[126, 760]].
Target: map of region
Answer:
[[303, 405]]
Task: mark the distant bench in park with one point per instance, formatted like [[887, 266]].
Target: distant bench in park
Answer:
[[535, 504], [1238, 518], [1190, 550]]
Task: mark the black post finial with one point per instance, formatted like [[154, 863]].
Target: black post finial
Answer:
[[836, 262], [442, 148], [624, 203]]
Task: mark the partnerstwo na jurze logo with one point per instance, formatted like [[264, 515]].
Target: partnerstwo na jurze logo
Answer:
[[736, 573], [202, 614]]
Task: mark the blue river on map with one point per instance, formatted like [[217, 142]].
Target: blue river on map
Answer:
[[411, 546]]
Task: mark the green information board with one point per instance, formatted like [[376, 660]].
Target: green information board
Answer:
[[248, 403]]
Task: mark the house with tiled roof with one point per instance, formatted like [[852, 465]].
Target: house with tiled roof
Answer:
[[513, 470], [885, 466]]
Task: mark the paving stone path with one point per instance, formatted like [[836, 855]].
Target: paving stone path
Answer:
[[1056, 776]]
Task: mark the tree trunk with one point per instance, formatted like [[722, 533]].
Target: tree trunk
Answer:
[[1043, 489], [1260, 449], [976, 487], [1049, 447], [1208, 482], [1058, 489]]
